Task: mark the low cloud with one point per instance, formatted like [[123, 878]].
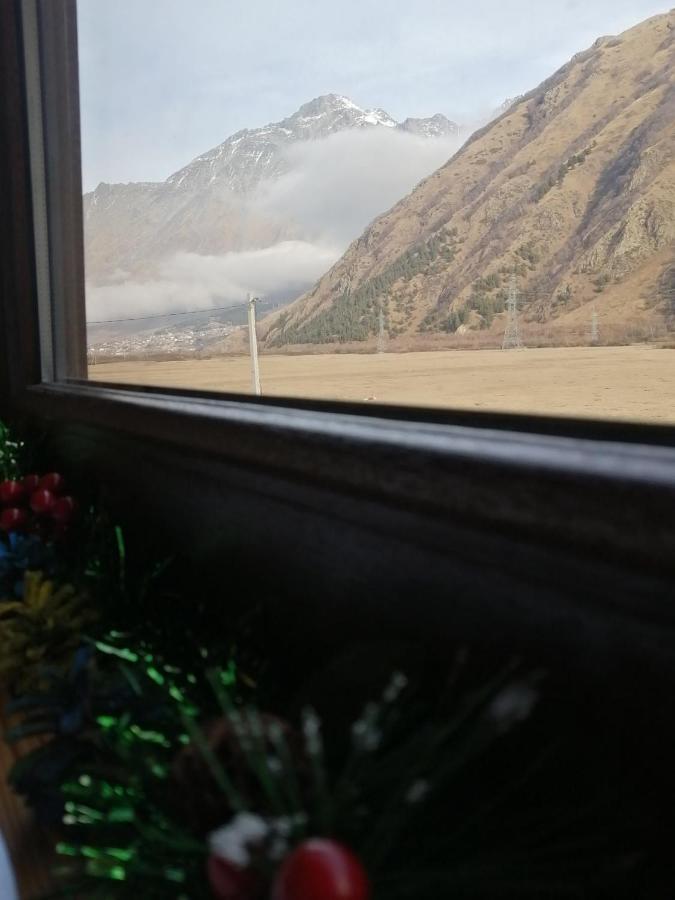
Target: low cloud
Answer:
[[338, 185], [334, 188], [189, 281]]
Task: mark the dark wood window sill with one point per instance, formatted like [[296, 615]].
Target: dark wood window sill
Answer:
[[595, 495]]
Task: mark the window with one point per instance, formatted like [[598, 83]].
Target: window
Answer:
[[466, 450], [510, 255], [550, 537]]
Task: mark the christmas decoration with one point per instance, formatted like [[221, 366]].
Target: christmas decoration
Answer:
[[227, 740], [321, 870], [11, 493], [20, 553], [63, 510], [10, 451], [52, 482], [42, 501], [229, 882], [30, 483], [45, 625], [12, 519], [36, 504], [233, 848], [140, 732]]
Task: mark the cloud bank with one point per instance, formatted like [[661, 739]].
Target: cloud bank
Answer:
[[334, 188], [190, 281]]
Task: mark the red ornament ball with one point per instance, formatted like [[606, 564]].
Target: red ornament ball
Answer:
[[229, 882], [13, 519], [52, 482], [11, 492], [31, 483], [63, 510], [321, 870], [42, 501]]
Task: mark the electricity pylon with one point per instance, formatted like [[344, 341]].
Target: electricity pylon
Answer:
[[595, 335], [512, 340], [381, 339]]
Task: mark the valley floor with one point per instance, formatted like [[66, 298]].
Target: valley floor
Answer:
[[631, 383]]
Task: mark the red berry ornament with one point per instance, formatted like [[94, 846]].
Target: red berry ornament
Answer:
[[11, 493], [321, 870], [52, 482], [42, 501], [63, 510], [13, 519], [229, 882], [31, 483]]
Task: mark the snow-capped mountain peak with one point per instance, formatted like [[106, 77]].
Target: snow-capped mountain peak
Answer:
[[330, 113], [248, 157]]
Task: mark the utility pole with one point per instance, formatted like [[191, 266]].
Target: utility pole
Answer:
[[512, 339], [381, 340], [595, 335], [253, 344]]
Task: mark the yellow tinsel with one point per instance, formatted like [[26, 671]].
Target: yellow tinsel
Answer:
[[43, 628]]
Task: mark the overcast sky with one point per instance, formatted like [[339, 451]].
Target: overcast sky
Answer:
[[164, 80]]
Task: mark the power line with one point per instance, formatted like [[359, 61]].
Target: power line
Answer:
[[212, 309], [189, 312], [669, 292]]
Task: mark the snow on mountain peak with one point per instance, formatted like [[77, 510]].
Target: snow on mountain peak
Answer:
[[251, 155], [335, 112]]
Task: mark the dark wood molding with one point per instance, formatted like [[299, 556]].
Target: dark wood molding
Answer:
[[611, 500], [61, 118], [19, 353], [421, 551]]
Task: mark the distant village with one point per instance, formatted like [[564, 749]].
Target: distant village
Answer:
[[173, 341]]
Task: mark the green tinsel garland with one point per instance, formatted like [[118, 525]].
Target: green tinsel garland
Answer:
[[154, 735]]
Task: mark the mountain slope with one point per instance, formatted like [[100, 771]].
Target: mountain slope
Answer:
[[203, 207], [572, 189]]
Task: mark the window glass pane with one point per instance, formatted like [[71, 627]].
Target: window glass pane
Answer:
[[466, 205]]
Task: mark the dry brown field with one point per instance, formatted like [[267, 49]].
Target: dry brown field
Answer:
[[631, 383]]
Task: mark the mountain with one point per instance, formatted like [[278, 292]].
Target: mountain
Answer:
[[205, 207], [250, 156], [571, 189], [436, 126]]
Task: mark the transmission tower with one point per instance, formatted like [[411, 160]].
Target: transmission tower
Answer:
[[381, 337], [595, 335], [512, 339]]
